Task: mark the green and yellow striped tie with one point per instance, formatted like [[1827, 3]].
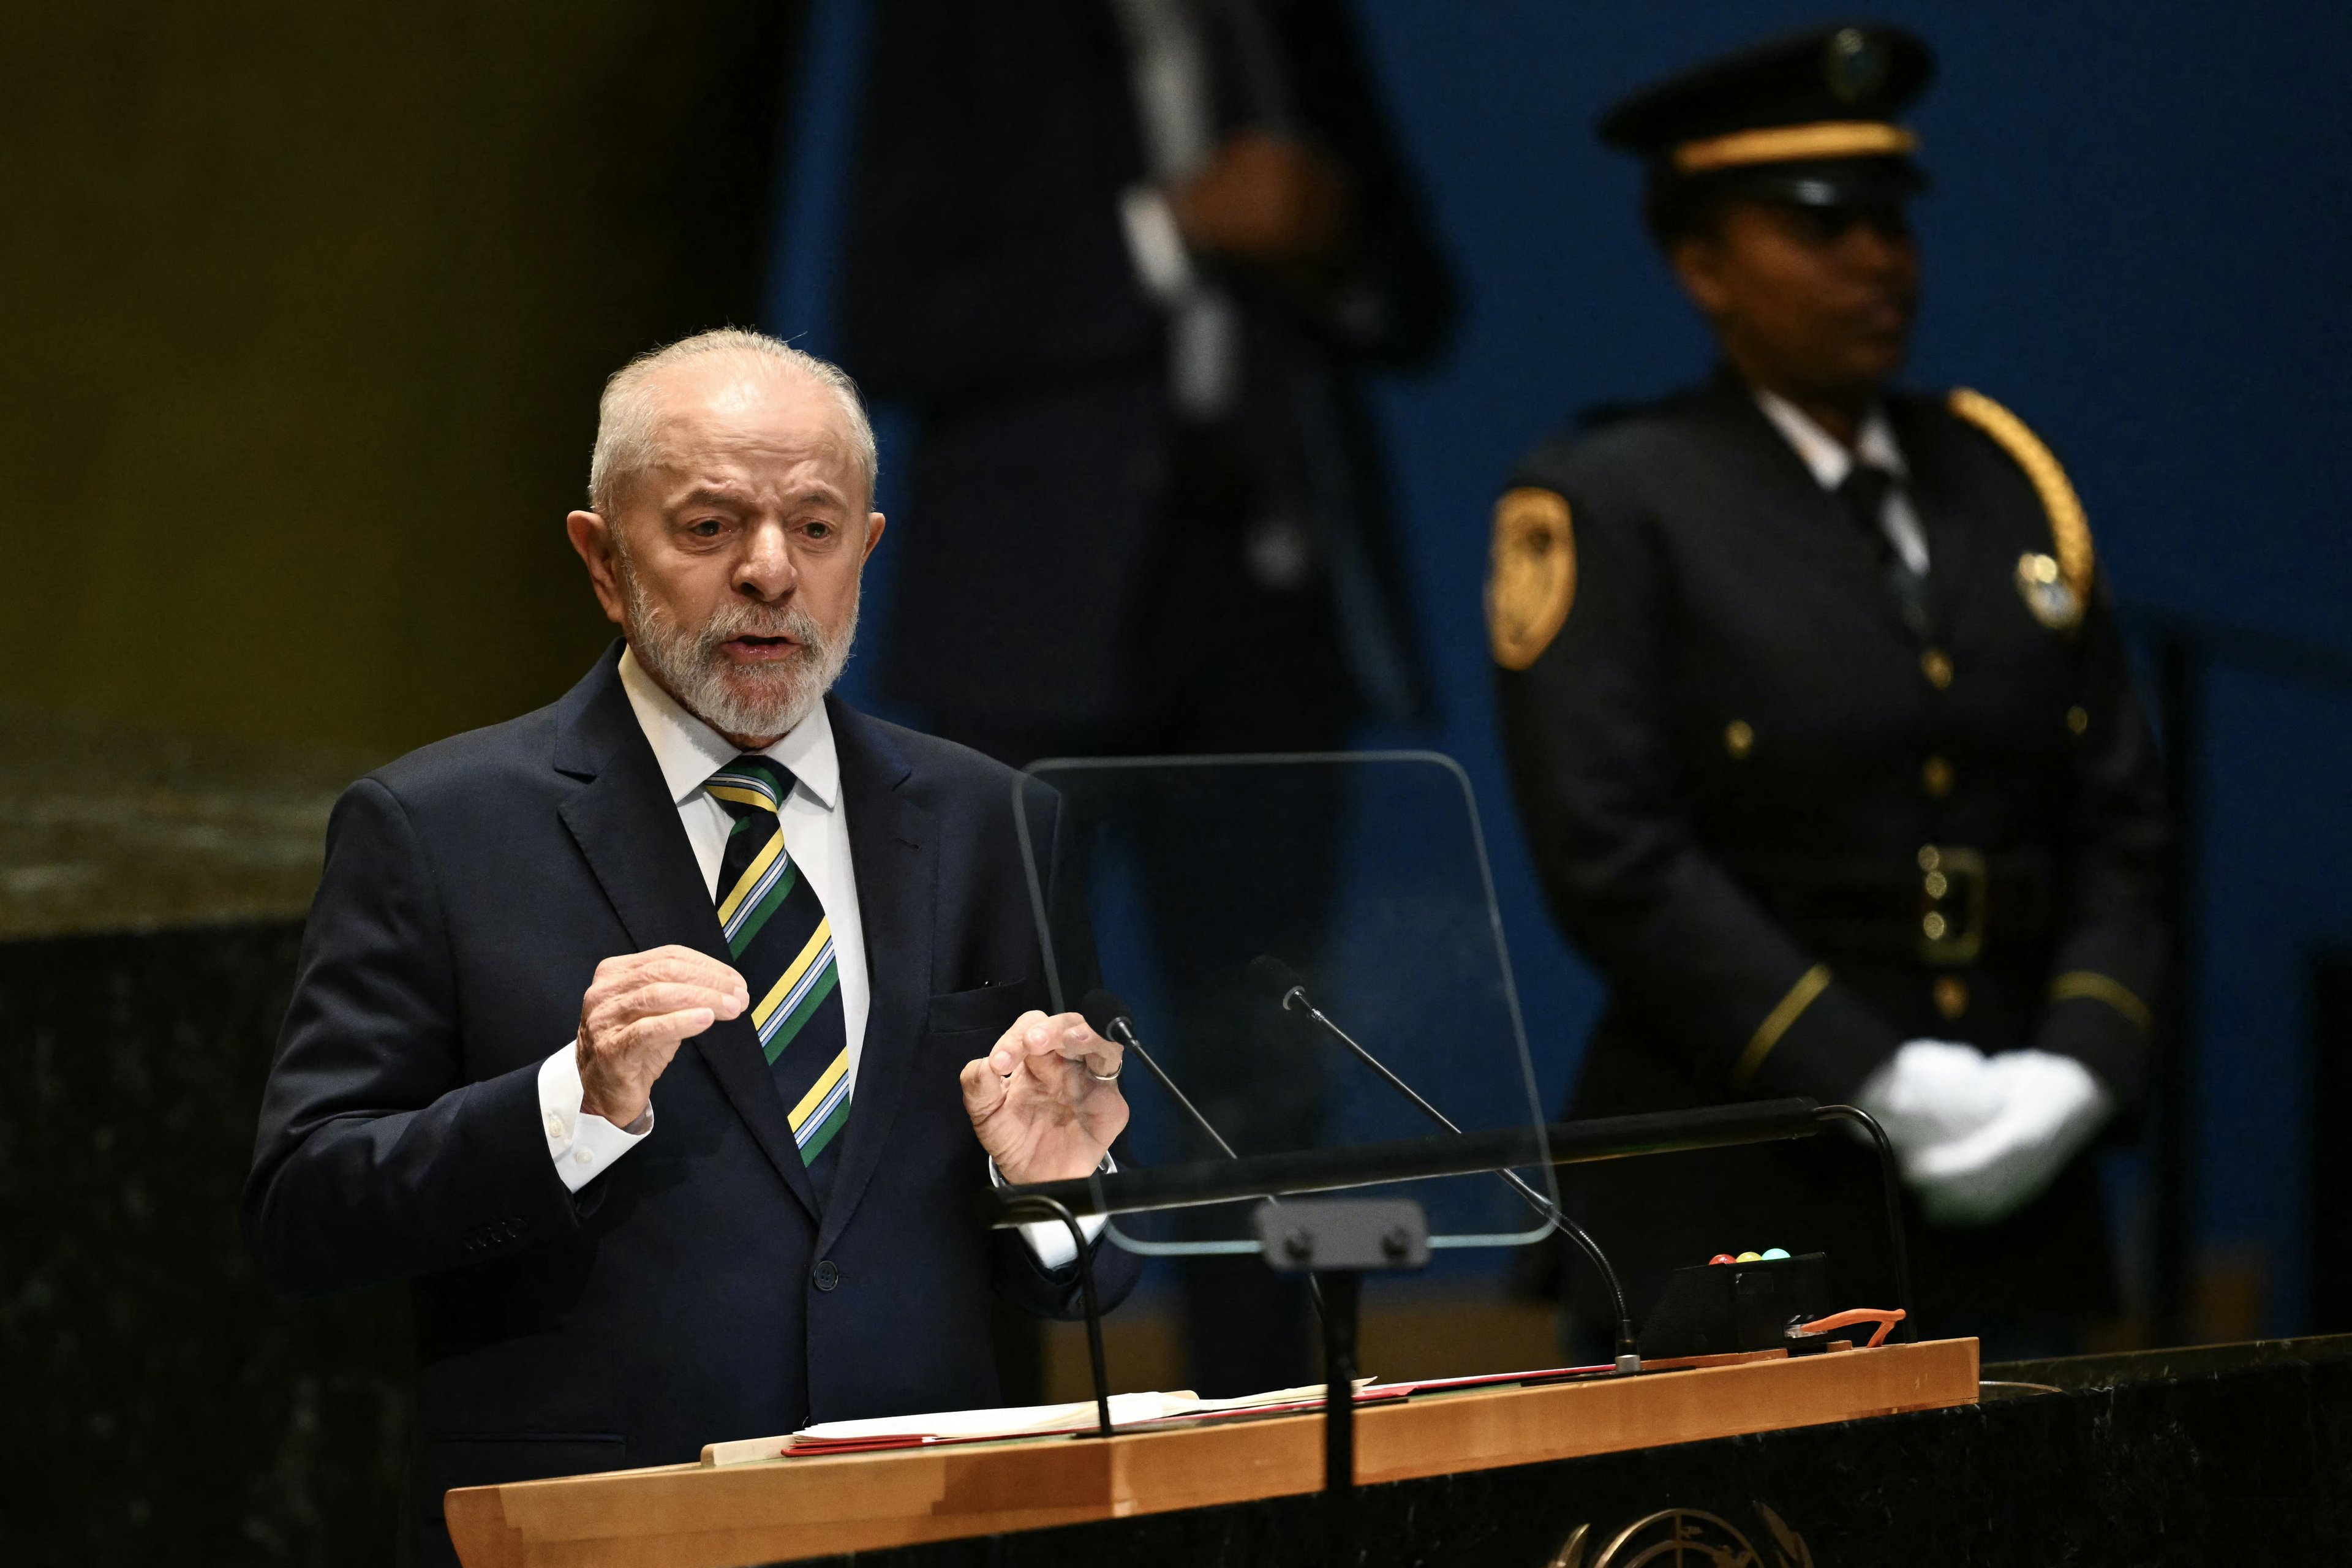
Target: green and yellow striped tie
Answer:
[[782, 942]]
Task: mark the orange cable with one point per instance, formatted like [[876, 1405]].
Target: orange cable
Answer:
[[1885, 1317]]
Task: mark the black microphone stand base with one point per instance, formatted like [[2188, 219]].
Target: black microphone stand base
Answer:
[[1337, 1241], [1341, 1291]]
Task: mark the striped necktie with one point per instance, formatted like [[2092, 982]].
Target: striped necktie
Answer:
[[782, 942]]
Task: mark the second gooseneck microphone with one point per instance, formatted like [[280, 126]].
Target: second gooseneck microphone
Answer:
[[1108, 1016], [1282, 985]]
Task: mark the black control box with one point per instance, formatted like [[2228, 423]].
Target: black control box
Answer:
[[1715, 1308]]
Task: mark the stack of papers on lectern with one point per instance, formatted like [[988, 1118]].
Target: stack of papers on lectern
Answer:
[[1128, 1412]]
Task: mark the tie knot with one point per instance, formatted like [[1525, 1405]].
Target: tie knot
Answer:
[[750, 783]]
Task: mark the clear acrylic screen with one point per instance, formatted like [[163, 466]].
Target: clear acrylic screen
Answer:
[[1161, 879]]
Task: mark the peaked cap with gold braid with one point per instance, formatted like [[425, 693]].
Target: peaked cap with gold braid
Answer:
[[1808, 117]]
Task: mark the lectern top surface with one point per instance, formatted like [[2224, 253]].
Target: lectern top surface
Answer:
[[716, 1517]]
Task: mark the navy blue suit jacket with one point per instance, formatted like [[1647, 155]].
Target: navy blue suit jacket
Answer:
[[470, 890]]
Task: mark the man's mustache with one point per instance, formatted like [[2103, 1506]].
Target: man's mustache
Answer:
[[793, 626]]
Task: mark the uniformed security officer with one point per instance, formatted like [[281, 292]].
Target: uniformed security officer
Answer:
[[1823, 736]]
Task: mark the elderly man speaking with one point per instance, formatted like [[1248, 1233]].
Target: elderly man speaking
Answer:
[[663, 1036]]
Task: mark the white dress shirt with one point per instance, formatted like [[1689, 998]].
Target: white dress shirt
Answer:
[[1168, 75], [1830, 461], [816, 837]]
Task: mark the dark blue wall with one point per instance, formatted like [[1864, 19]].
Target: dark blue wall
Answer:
[[2137, 239]]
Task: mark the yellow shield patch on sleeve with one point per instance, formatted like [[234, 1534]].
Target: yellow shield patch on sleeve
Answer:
[[1530, 575]]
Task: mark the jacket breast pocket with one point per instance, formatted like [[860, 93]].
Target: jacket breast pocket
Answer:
[[989, 1009]]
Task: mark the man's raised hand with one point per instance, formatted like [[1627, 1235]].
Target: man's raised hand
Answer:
[[1265, 199], [1044, 1100], [636, 1010]]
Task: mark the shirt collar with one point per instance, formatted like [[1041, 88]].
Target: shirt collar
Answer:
[[689, 750], [1823, 453]]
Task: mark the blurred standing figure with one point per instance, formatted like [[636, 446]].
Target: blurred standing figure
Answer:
[[1129, 261], [1825, 738]]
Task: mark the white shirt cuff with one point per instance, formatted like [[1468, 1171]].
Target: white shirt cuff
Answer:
[[582, 1146], [1155, 245], [1049, 1239]]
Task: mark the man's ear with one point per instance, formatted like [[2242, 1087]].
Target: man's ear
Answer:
[[1697, 261], [875, 522], [592, 541]]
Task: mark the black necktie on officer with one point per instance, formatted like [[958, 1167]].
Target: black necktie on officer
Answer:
[[1864, 490]]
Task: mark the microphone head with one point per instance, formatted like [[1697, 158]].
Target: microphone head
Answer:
[[1273, 978], [1100, 1008]]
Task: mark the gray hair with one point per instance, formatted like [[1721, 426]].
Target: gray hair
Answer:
[[627, 413]]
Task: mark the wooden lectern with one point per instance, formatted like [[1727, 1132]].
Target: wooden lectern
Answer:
[[695, 1516]]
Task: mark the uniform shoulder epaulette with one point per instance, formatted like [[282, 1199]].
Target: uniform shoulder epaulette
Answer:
[[2058, 585], [1596, 416], [1624, 410]]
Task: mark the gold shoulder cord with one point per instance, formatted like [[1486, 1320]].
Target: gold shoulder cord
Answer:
[[2070, 530], [1530, 575]]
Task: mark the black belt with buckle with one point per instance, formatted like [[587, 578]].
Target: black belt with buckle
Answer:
[[1943, 910]]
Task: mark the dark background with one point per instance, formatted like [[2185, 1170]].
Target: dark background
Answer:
[[2137, 240], [308, 312]]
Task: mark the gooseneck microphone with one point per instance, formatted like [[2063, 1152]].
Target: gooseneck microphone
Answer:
[[1282, 985], [1108, 1016]]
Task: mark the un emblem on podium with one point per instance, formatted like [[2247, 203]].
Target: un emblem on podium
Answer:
[[1685, 1538]]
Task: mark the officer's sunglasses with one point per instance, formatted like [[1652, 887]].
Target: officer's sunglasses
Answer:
[[1827, 224]]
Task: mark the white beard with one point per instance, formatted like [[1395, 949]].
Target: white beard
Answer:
[[737, 699]]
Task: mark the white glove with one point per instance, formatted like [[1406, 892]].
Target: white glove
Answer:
[[1930, 1092], [2049, 1108]]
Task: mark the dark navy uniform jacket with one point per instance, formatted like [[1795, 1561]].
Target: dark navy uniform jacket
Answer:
[[1795, 830], [694, 1292]]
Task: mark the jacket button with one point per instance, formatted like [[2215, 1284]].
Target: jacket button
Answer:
[[1935, 778], [1951, 994], [824, 1275]]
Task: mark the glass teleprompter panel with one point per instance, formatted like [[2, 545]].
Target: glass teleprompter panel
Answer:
[[1249, 911]]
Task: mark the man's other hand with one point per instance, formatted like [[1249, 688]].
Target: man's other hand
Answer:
[[1044, 1100], [635, 1012], [1264, 199]]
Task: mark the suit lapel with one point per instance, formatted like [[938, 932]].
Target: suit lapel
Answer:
[[628, 829], [895, 855]]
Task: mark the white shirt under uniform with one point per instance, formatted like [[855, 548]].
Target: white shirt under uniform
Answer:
[[816, 837], [1830, 461]]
